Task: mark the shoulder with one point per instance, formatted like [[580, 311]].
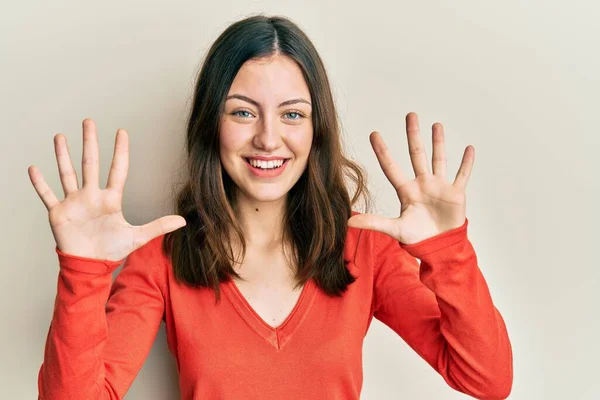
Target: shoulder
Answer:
[[151, 252], [149, 260], [360, 245], [366, 247]]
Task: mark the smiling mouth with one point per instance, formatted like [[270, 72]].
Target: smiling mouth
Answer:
[[266, 166]]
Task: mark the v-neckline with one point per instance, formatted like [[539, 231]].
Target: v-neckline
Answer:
[[275, 336]]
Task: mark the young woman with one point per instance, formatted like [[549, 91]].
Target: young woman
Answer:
[[266, 219]]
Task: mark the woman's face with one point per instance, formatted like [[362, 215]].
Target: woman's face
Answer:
[[266, 128]]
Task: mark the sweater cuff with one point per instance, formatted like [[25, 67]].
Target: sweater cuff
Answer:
[[437, 243], [86, 265]]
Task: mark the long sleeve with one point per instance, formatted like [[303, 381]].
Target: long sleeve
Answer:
[[444, 311], [95, 348]]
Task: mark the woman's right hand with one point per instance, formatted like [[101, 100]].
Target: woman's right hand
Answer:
[[89, 221]]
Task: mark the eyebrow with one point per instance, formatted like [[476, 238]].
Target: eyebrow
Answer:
[[257, 104]]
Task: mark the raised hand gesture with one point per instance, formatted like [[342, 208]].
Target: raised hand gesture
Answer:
[[429, 205], [89, 221]]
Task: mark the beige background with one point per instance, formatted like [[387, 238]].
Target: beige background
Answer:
[[517, 79]]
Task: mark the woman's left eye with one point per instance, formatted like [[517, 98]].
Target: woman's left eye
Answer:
[[294, 115]]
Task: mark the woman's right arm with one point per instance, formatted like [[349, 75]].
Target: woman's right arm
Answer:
[[94, 349]]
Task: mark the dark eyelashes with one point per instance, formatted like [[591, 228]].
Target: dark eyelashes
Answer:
[[298, 113], [237, 113]]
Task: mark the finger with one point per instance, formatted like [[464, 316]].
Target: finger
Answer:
[[464, 172], [439, 152], [89, 161], [418, 157], [151, 230], [120, 162], [66, 171], [387, 163], [373, 222], [42, 188]]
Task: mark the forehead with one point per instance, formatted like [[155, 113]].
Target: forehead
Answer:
[[270, 80]]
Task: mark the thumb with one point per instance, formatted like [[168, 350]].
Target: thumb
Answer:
[[373, 222], [158, 227]]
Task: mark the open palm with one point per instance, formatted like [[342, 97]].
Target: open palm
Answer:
[[89, 221], [429, 205]]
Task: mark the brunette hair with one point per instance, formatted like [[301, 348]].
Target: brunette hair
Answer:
[[318, 205]]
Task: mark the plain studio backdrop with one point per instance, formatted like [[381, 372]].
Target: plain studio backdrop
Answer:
[[516, 79]]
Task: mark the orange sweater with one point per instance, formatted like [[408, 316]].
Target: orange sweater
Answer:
[[442, 309]]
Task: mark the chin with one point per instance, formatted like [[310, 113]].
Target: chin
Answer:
[[265, 194]]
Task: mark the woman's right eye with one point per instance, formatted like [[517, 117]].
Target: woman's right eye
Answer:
[[241, 113]]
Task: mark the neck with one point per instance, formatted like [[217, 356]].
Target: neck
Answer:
[[261, 222]]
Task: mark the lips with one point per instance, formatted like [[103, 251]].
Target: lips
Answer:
[[263, 158], [266, 162], [266, 173], [249, 161]]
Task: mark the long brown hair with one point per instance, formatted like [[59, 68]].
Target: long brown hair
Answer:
[[318, 205]]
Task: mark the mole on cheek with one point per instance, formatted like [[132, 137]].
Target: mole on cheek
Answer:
[[256, 209]]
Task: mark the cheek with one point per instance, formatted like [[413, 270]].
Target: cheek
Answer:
[[301, 142], [232, 137]]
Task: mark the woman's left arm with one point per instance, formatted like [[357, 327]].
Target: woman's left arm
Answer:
[[443, 307], [443, 310]]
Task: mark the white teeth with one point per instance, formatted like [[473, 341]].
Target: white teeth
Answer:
[[266, 164]]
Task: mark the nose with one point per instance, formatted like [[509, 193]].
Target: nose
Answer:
[[267, 137]]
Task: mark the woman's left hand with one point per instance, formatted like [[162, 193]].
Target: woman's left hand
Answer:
[[429, 205]]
